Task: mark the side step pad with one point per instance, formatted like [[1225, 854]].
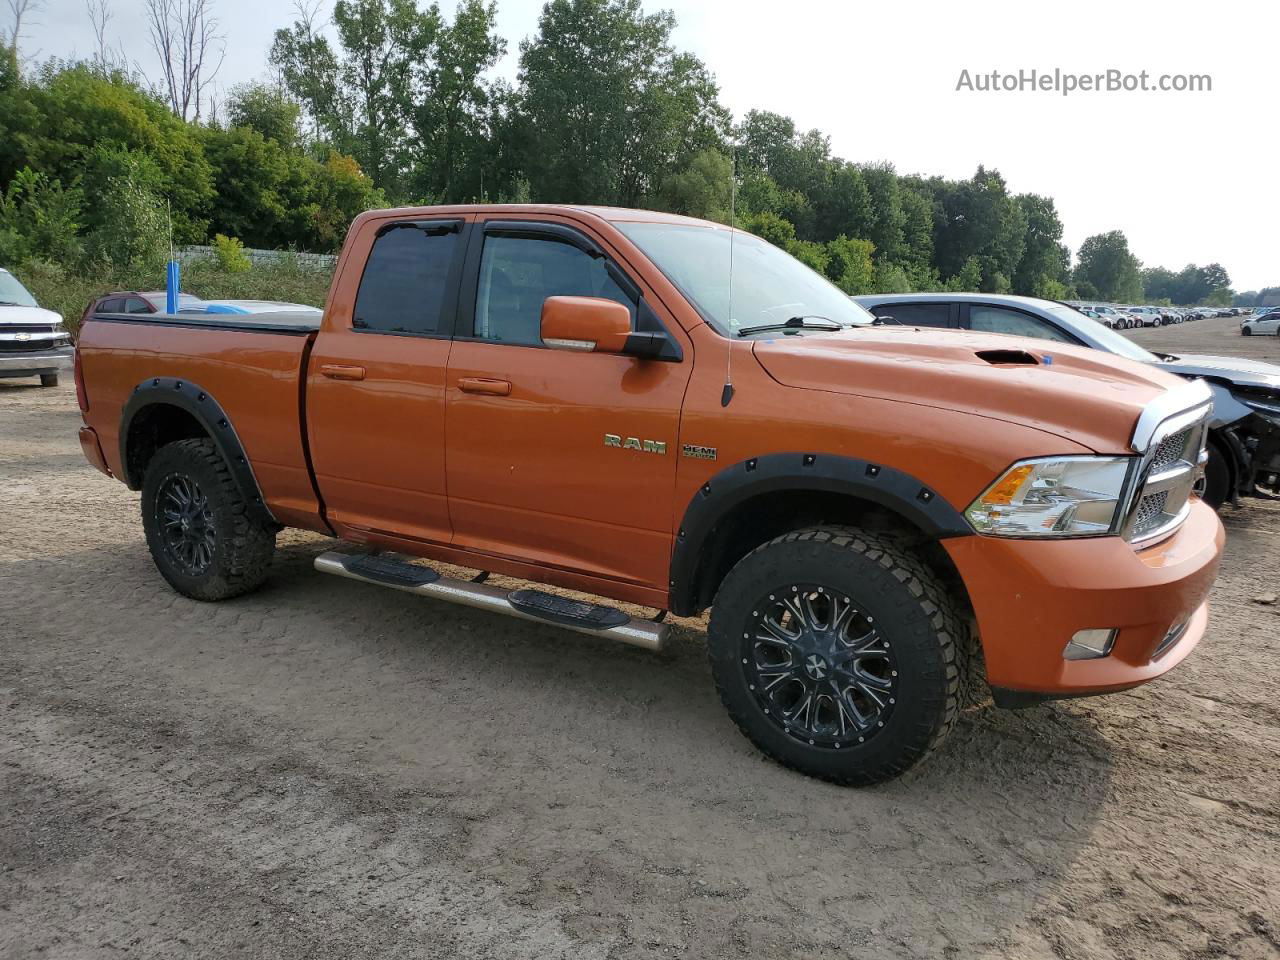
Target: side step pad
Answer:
[[389, 570], [562, 610], [598, 620]]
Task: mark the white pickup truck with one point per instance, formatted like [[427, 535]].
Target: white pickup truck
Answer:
[[33, 342]]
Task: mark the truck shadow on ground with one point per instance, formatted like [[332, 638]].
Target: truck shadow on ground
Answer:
[[591, 780]]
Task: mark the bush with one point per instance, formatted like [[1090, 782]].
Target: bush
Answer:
[[230, 254], [38, 218], [134, 231]]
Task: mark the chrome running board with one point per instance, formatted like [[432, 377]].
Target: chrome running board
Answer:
[[597, 620]]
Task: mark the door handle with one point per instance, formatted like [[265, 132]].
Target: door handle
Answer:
[[341, 371], [485, 385]]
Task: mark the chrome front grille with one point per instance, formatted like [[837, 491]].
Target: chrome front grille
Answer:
[[1150, 512], [26, 337], [1170, 467], [1170, 450]]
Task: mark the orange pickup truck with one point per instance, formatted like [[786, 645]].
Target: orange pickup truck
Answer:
[[665, 412]]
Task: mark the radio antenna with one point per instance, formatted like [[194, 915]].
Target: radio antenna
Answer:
[[727, 393]]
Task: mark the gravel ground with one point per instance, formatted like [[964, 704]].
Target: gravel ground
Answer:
[[326, 769]]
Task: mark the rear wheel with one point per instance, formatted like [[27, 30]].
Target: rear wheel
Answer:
[[834, 650], [202, 536], [48, 379]]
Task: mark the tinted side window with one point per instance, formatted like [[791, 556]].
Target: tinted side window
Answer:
[[405, 282], [111, 305], [136, 305], [999, 320], [916, 314], [518, 273]]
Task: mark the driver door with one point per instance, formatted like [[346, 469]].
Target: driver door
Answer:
[[541, 466]]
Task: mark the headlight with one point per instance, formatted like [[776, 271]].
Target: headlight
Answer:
[[1054, 497]]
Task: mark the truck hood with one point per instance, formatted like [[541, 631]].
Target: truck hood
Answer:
[[27, 315], [1241, 373], [1091, 397]]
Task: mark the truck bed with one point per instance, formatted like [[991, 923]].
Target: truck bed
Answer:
[[248, 368], [283, 321]]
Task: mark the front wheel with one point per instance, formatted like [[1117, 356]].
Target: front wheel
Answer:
[[835, 652], [203, 538], [1248, 331]]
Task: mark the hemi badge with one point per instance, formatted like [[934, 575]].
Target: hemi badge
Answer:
[[697, 452]]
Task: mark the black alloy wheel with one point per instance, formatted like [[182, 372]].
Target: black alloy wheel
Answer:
[[819, 667], [186, 524]]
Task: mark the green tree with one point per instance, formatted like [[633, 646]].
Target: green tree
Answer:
[[850, 266], [968, 279], [1106, 265], [703, 189], [266, 110], [39, 218], [917, 229], [260, 186], [63, 120], [386, 44], [771, 227], [450, 114], [608, 107], [1044, 259], [886, 229], [309, 69], [133, 233], [811, 253], [842, 205]]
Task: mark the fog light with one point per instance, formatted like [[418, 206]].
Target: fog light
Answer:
[[1089, 644]]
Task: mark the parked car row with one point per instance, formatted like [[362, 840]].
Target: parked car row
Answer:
[[1125, 317], [1244, 437]]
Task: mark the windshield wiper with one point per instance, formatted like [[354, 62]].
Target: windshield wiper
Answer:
[[794, 323], [9, 303]]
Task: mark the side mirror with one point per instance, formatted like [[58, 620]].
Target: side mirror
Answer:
[[590, 324]]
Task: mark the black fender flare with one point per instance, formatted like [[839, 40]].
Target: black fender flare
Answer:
[[893, 489], [200, 404]]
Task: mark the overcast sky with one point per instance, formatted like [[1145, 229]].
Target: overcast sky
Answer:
[[1189, 177]]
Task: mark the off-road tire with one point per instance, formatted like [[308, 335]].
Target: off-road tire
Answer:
[[910, 606], [48, 379], [242, 546]]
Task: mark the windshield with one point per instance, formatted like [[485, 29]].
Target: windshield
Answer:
[[769, 286], [11, 291], [1107, 338]]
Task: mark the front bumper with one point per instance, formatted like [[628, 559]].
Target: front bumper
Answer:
[[1031, 596], [30, 363]]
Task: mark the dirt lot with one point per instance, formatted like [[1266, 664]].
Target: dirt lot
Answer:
[[326, 769]]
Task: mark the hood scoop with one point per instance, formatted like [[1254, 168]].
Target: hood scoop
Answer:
[[1002, 357]]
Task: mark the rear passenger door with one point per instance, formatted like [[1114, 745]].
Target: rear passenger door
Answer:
[[375, 385]]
